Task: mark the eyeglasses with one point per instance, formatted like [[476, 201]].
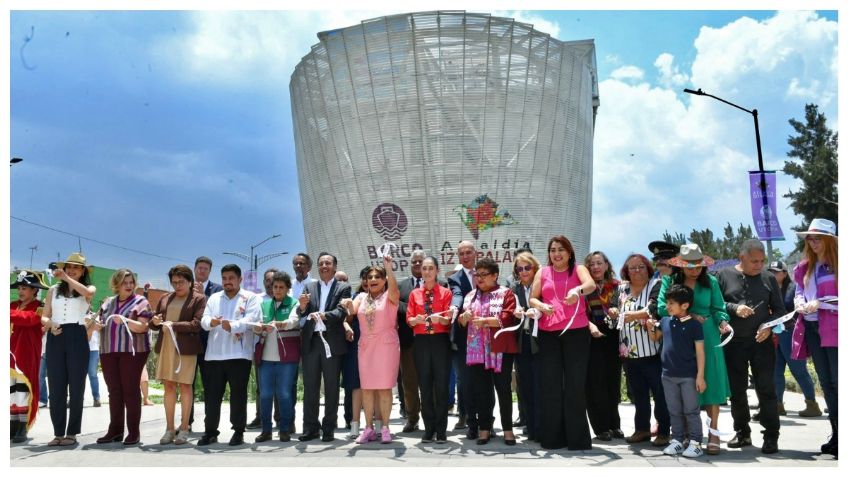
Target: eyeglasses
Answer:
[[526, 268], [483, 274], [637, 268], [812, 238], [179, 283]]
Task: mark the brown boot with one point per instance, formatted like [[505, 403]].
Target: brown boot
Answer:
[[812, 409]]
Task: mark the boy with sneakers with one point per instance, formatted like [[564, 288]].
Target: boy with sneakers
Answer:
[[682, 370]]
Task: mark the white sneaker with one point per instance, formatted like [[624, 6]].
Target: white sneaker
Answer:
[[674, 448], [694, 450], [354, 430]]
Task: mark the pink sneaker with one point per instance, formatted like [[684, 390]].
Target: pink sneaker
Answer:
[[367, 435], [386, 436]]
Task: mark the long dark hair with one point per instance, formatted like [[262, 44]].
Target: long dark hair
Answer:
[[566, 244], [65, 289], [678, 278]]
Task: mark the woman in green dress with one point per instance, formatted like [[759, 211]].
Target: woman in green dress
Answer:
[[690, 269]]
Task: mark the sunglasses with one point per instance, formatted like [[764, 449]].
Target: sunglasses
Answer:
[[526, 268], [483, 274], [812, 238]]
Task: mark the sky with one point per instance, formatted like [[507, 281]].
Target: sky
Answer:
[[170, 132]]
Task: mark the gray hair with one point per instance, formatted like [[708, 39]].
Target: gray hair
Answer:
[[750, 245], [418, 253], [466, 243]]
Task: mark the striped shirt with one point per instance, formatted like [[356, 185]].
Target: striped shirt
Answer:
[[634, 335], [114, 337]]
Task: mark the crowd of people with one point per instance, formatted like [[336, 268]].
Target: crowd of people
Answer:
[[685, 338]]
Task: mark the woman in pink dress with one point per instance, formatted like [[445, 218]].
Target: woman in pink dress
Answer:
[[379, 346]]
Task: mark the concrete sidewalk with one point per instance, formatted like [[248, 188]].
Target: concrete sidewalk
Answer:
[[799, 443]]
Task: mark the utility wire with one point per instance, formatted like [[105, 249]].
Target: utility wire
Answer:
[[99, 241]]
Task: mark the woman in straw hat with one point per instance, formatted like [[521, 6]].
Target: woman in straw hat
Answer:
[[65, 308], [816, 298], [25, 347], [690, 269]]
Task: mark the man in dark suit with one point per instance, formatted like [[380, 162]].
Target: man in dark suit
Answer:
[[202, 284], [461, 283], [321, 300]]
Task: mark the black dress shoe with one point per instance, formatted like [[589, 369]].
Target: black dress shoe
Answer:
[[285, 436], [327, 437], [509, 442], [769, 445], [309, 437], [237, 439], [265, 436], [441, 438], [410, 427], [428, 437], [205, 440], [739, 441], [254, 424], [132, 440], [617, 433], [484, 440], [471, 434], [109, 438], [604, 436]]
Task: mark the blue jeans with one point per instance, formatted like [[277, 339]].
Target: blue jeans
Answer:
[[42, 373], [93, 360], [645, 377], [276, 377], [826, 362], [798, 368]]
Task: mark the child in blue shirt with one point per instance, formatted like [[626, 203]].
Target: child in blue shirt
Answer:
[[682, 369]]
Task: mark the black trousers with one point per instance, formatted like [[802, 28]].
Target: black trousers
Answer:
[[739, 354], [464, 389], [201, 370], [67, 368], [432, 355], [236, 373], [528, 381], [484, 384], [603, 384], [564, 364], [317, 366]]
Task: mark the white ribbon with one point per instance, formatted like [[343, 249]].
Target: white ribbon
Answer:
[[176, 346], [726, 340], [320, 327], [716, 432], [386, 249], [573, 315], [126, 326], [523, 314], [777, 321]]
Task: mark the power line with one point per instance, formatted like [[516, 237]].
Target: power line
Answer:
[[98, 241]]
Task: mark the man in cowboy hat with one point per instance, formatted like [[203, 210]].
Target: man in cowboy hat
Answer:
[[25, 347], [753, 298]]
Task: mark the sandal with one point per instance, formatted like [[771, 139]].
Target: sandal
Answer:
[[55, 442], [68, 441], [713, 448]]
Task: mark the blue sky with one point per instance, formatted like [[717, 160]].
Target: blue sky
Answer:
[[170, 132]]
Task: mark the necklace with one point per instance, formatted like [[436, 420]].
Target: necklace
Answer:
[[371, 309], [565, 283]]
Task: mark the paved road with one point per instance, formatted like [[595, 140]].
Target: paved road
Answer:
[[799, 442]]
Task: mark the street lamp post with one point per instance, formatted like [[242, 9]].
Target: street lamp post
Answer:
[[754, 113], [252, 259], [14, 161]]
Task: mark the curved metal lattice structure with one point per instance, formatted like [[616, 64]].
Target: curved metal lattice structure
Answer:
[[428, 128]]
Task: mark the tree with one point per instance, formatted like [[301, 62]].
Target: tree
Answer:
[[717, 248], [814, 152]]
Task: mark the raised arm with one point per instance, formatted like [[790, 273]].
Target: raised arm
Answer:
[[394, 292], [86, 291]]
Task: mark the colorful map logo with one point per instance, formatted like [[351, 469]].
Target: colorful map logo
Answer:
[[482, 214]]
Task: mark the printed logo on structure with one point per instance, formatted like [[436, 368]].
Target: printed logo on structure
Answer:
[[482, 214], [389, 221]]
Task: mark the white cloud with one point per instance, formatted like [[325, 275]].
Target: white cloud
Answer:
[[670, 75], [539, 23], [628, 72], [666, 161]]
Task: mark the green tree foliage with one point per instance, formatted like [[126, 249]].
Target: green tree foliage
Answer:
[[720, 248], [814, 154]]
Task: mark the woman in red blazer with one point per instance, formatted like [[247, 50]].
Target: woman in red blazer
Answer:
[[487, 309]]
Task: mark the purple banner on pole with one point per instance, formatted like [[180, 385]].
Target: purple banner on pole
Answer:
[[764, 204]]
